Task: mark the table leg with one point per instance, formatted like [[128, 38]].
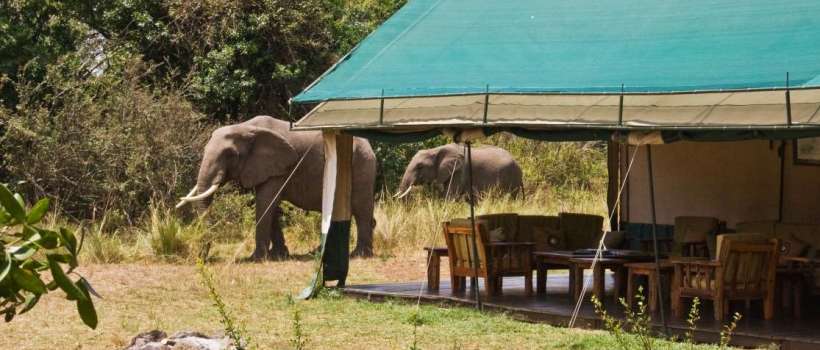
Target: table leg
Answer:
[[653, 291], [541, 277], [578, 282], [620, 282], [798, 298], [433, 271], [630, 288], [598, 282]]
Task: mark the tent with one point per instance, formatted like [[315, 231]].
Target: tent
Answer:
[[628, 72]]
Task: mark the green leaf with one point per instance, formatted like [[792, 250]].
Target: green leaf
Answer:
[[70, 240], [86, 308], [31, 300], [28, 281], [20, 200], [74, 293], [4, 216], [11, 205], [22, 253], [6, 269], [38, 211], [50, 239]]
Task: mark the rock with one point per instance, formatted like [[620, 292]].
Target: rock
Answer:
[[159, 340]]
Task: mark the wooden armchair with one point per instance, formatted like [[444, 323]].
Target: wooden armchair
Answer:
[[495, 259], [744, 270]]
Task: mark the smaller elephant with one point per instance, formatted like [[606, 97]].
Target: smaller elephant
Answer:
[[444, 167]]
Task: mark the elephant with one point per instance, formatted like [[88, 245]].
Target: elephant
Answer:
[[260, 154], [445, 168]]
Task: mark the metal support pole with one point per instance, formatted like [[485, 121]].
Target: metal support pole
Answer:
[[788, 102], [621, 107], [781, 151], [474, 280], [486, 104], [659, 286], [381, 109]]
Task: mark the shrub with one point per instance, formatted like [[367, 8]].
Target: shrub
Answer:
[[28, 252], [100, 143]]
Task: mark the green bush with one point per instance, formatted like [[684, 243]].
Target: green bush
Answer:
[[100, 143], [28, 252]]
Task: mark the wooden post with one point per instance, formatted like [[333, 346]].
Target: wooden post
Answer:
[[336, 257]]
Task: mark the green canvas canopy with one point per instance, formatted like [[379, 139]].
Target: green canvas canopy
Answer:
[[580, 69]]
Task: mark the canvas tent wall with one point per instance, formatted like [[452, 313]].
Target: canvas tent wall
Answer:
[[733, 181]]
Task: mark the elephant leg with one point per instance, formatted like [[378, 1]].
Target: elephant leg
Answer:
[[264, 219], [365, 223], [278, 250]]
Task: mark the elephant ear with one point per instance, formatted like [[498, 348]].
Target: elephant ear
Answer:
[[270, 155], [446, 163]]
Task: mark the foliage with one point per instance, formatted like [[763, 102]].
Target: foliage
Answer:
[[300, 339], [35, 34], [28, 251], [394, 157], [100, 143], [233, 330], [692, 321], [558, 165], [728, 329]]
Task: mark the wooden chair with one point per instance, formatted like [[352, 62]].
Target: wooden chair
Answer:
[[495, 260], [744, 270]]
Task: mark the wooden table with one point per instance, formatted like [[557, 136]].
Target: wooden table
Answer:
[[791, 283], [649, 270], [434, 255], [552, 260], [614, 263]]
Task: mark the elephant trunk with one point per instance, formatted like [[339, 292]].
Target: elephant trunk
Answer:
[[405, 187], [208, 181]]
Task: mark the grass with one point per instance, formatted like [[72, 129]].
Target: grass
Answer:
[[148, 280], [145, 296]]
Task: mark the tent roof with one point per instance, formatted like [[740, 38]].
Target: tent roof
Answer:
[[550, 63]]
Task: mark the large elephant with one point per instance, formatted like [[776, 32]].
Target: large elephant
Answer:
[[260, 154], [445, 168]]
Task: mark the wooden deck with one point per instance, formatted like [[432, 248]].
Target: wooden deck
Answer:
[[555, 308]]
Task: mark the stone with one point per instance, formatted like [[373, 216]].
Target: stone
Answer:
[[159, 340]]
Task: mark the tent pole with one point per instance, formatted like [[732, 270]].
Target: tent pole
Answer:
[[474, 280], [781, 151], [655, 238]]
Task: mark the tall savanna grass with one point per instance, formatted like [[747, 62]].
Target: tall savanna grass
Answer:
[[408, 225]]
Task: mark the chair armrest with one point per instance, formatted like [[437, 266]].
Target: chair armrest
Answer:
[[695, 262], [510, 244]]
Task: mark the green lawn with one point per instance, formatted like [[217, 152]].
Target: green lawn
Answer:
[[145, 296]]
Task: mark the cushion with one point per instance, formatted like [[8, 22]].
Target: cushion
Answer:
[[547, 239], [614, 239], [694, 229], [581, 230], [791, 247], [508, 222], [527, 224], [805, 232], [764, 227], [497, 234]]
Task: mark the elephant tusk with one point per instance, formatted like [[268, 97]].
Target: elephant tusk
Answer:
[[402, 195], [193, 191], [201, 196], [182, 203]]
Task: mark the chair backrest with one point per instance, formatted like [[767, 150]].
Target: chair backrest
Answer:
[[460, 248], [749, 263], [501, 227], [692, 231], [581, 230], [544, 231]]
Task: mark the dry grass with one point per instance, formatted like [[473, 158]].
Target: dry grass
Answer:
[[141, 297]]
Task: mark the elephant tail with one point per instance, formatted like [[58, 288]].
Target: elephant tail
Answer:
[[373, 222]]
